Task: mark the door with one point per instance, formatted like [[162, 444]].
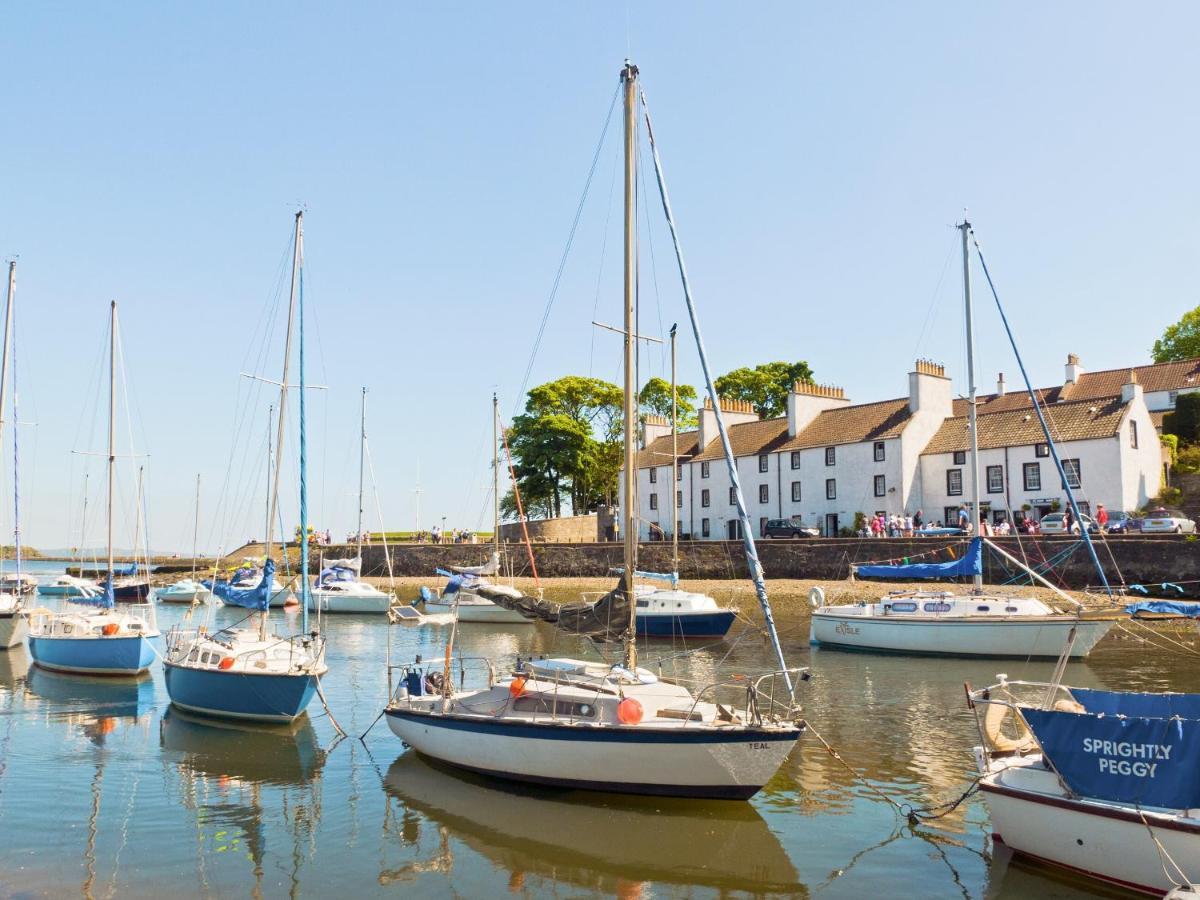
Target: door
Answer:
[[831, 525], [734, 529]]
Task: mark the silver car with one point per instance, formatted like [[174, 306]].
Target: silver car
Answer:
[[1053, 524], [1158, 521]]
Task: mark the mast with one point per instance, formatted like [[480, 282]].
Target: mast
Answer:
[[283, 385], [674, 467], [362, 448], [305, 587], [496, 479], [972, 422], [629, 510], [8, 323], [196, 528], [270, 448], [112, 431]]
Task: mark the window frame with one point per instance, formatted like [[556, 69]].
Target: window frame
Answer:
[[950, 477], [880, 451], [705, 528], [795, 459], [831, 456], [679, 499], [1041, 451], [796, 494], [992, 470], [764, 493], [880, 486], [1034, 469], [830, 488], [654, 501], [704, 468], [732, 495], [960, 458], [1073, 467], [654, 474], [764, 463], [1133, 434], [705, 498]]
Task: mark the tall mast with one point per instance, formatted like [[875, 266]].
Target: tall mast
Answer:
[[972, 421], [112, 431], [8, 319], [196, 528], [496, 476], [305, 587], [674, 464], [283, 384], [270, 448], [10, 345], [362, 448], [629, 510]]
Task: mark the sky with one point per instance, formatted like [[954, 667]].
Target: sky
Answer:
[[818, 157]]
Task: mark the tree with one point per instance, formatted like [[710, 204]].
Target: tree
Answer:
[[1184, 421], [1179, 341], [766, 386], [655, 398]]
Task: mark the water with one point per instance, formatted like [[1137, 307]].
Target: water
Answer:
[[104, 791]]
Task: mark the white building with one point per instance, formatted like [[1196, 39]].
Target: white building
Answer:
[[828, 459]]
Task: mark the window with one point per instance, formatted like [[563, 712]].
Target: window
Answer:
[[703, 470], [540, 703], [654, 501], [995, 479], [795, 492], [880, 451], [1172, 396], [762, 526], [732, 496], [1042, 450], [653, 475], [1033, 476], [950, 516], [679, 499], [705, 528], [830, 456], [960, 457], [795, 459], [704, 501], [764, 493], [1073, 472], [954, 482], [1133, 434], [763, 462], [830, 488], [880, 486], [679, 471]]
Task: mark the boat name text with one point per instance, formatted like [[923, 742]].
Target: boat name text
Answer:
[[1128, 753]]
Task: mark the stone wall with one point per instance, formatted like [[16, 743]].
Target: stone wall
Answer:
[[564, 530], [1140, 559]]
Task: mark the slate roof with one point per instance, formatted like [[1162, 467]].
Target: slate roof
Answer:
[[1077, 421]]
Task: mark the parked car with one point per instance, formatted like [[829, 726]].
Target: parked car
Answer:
[[1124, 523], [788, 528], [1053, 524], [1162, 520]]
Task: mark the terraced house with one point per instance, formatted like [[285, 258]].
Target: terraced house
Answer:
[[829, 459]]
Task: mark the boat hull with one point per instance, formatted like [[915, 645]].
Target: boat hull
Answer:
[[132, 593], [13, 628], [1013, 637], [478, 612], [92, 655], [673, 762], [239, 695], [350, 603], [700, 624], [1090, 839]]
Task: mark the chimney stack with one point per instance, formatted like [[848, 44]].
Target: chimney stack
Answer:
[[734, 412], [1074, 369], [1000, 386], [807, 400], [929, 389], [1131, 388]]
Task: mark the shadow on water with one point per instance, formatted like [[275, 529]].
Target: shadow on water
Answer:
[[607, 843]]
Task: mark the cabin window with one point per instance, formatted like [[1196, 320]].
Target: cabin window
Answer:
[[704, 497], [960, 457], [880, 451], [540, 703], [830, 488], [795, 459], [1041, 450], [937, 606], [1033, 476], [642, 604], [1010, 609], [764, 493], [995, 479], [880, 486], [704, 470], [763, 462], [1073, 472], [653, 475], [705, 528], [904, 606], [795, 492], [954, 482], [983, 609], [194, 655], [831, 456], [1133, 434]]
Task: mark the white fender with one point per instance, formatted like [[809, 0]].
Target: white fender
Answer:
[[816, 596]]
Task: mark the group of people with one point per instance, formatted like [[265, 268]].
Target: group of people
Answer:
[[894, 525], [436, 535]]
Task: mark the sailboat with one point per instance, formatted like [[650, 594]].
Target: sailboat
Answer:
[[252, 673], [90, 635], [188, 590], [467, 590], [13, 623], [974, 623], [339, 587], [599, 725]]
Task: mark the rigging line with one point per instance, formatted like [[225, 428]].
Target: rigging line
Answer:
[[562, 263], [934, 300], [662, 348], [612, 184]]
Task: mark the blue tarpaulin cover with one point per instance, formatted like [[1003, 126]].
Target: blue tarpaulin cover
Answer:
[[1167, 607], [105, 598], [970, 563], [1147, 761], [257, 597], [1131, 703]]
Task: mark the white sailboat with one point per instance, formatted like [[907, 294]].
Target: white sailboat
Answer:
[[609, 726], [975, 623], [188, 590], [464, 592], [90, 635], [13, 621], [339, 587]]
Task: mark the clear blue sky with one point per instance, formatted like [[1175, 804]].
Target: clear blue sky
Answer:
[[818, 156]]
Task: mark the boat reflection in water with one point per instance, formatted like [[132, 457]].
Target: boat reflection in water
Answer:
[[14, 668], [602, 842], [96, 705], [231, 775]]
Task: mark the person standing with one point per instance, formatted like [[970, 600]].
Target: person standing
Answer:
[[1102, 517]]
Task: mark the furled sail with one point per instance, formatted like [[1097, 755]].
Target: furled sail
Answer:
[[605, 619], [1165, 608], [104, 598], [491, 567], [969, 564], [257, 597]]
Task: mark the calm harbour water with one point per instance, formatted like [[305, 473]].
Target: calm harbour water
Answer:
[[105, 791]]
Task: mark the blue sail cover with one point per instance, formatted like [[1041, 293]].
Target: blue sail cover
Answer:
[[104, 599], [1130, 703], [970, 563], [336, 573], [1165, 607], [257, 597], [1147, 761]]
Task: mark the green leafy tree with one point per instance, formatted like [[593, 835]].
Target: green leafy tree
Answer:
[[766, 386], [1184, 421], [1179, 341], [655, 398]]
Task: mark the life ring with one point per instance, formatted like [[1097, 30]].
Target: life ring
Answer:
[[816, 596]]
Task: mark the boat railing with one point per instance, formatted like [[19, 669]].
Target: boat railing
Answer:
[[999, 716], [435, 670], [766, 696]]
